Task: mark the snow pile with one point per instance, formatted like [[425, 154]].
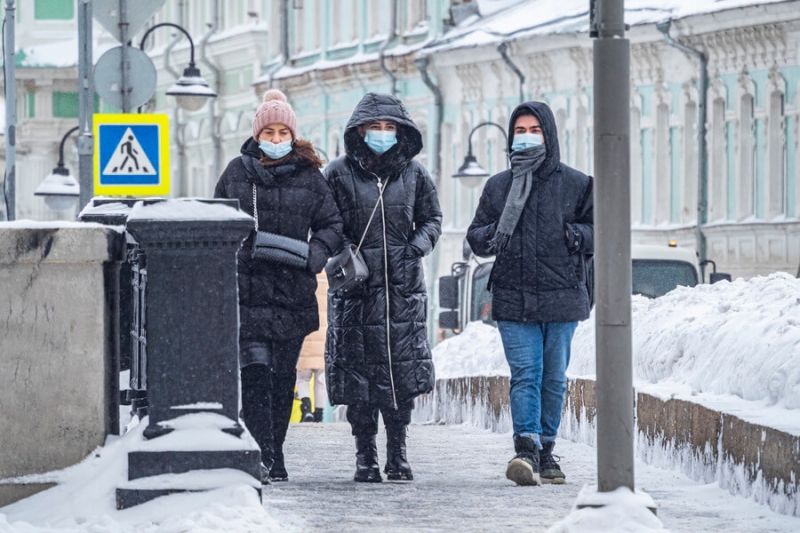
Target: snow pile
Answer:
[[477, 351], [714, 344], [738, 339], [84, 499], [621, 510]]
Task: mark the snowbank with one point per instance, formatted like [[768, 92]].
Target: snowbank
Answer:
[[731, 346]]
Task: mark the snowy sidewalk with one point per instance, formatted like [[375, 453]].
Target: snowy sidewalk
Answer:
[[460, 486]]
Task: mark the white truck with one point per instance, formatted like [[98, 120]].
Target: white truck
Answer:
[[655, 271]]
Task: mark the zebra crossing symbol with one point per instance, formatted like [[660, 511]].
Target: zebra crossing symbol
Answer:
[[129, 158], [131, 155]]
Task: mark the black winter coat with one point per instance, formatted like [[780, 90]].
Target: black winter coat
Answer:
[[541, 276], [277, 302], [371, 357]]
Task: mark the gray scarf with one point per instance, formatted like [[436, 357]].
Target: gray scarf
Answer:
[[523, 164]]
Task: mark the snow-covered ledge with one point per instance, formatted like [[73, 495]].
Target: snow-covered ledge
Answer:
[[57, 356]]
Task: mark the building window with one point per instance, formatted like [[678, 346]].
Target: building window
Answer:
[[746, 184], [30, 104], [776, 164], [54, 9], [65, 105]]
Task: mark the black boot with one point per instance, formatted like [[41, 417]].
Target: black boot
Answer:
[[305, 410], [278, 470], [317, 415], [523, 469], [548, 464], [367, 469], [397, 466]]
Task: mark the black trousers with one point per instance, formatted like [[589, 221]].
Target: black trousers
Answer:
[[363, 417], [268, 391]]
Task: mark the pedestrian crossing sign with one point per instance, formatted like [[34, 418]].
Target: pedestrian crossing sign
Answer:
[[131, 155]]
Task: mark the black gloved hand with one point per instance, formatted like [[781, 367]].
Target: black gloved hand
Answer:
[[317, 258]]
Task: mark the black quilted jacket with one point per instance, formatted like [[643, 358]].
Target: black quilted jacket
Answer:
[[370, 356], [277, 302], [541, 276]]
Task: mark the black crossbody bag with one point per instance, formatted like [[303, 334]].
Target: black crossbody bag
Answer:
[[275, 248], [347, 269]]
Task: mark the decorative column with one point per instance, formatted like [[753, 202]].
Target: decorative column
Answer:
[[192, 317]]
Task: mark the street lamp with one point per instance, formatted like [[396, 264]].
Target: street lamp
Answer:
[[190, 91], [60, 190], [470, 172]]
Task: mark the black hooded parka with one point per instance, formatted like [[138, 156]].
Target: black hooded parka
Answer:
[[377, 350], [277, 302], [541, 275]]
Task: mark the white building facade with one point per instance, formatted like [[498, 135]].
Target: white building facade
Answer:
[[441, 57]]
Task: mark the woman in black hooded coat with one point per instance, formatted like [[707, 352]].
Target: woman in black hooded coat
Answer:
[[378, 357], [277, 303]]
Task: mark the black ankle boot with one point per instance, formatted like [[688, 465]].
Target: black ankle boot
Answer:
[[278, 470], [523, 469], [548, 464], [305, 410], [367, 469], [397, 466], [318, 415]]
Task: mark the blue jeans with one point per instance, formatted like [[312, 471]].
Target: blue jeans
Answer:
[[538, 355]]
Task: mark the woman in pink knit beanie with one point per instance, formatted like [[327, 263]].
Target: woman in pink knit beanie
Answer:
[[277, 180]]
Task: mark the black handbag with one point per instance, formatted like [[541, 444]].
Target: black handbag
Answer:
[[347, 269], [276, 248]]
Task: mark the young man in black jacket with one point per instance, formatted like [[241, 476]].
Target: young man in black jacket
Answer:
[[537, 219]]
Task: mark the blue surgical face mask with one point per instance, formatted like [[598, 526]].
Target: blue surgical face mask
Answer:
[[380, 141], [275, 151], [526, 140]]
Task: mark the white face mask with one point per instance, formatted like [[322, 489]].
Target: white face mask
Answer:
[[526, 140]]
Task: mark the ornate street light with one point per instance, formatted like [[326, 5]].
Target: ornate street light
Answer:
[[470, 172], [60, 190], [190, 91]]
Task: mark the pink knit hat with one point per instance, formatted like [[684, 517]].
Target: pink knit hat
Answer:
[[274, 110]]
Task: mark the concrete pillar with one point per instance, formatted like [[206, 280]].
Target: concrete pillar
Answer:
[[58, 354]]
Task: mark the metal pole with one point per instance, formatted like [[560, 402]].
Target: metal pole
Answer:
[[125, 62], [85, 104], [702, 151], [615, 430], [10, 188]]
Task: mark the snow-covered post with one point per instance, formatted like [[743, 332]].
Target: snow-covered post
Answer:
[[192, 318]]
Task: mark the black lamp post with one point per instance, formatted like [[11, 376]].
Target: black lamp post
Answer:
[[190, 91], [470, 172], [59, 188]]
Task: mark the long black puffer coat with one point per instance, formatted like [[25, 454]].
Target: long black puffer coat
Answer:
[[277, 302], [541, 276], [371, 357]]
